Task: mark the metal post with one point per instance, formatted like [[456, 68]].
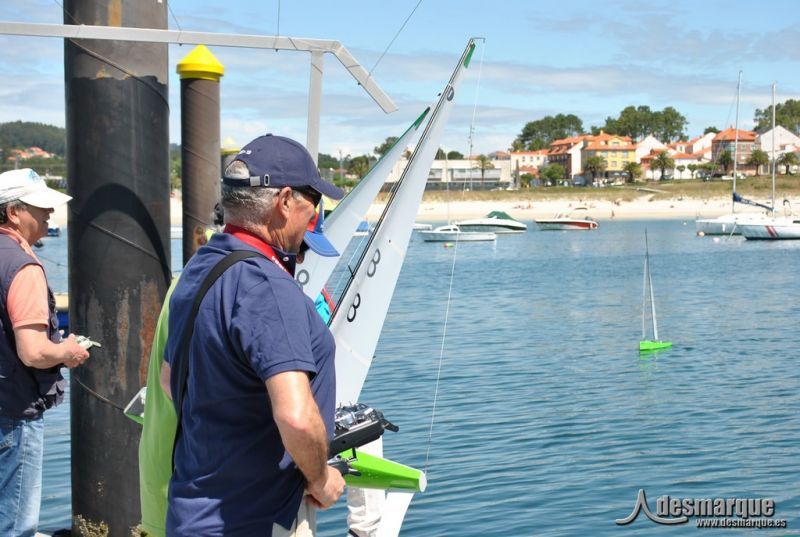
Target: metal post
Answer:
[[117, 161], [200, 72], [314, 104]]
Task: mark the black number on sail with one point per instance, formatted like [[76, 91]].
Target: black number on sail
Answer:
[[373, 264], [351, 313], [302, 278]]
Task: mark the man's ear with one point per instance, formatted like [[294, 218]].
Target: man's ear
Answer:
[[284, 200]]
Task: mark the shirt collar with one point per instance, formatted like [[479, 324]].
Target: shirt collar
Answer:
[[285, 260]]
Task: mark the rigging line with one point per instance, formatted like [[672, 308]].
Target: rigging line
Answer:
[[393, 39], [449, 297], [178, 24], [56, 263], [441, 356], [65, 11], [278, 31], [97, 395]]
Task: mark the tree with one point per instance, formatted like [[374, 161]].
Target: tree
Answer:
[[758, 158], [663, 162], [692, 168], [680, 169], [483, 163], [634, 171], [787, 114], [455, 155], [595, 166], [327, 161], [711, 129], [552, 173], [358, 166], [541, 133], [525, 180], [639, 121], [788, 160], [725, 159], [385, 146]]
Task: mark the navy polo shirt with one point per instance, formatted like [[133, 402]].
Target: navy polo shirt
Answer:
[[232, 474]]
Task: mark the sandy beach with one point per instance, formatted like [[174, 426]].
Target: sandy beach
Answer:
[[641, 208]]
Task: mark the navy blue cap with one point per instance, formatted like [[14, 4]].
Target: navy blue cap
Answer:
[[314, 237], [277, 161]]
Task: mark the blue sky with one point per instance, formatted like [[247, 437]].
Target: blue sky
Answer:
[[583, 57]]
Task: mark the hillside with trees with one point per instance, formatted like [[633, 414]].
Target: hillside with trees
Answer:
[[24, 134]]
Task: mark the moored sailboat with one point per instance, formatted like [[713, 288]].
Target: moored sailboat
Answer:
[[654, 344]]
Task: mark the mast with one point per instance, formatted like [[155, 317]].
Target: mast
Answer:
[[736, 140], [650, 285], [774, 160], [644, 293]]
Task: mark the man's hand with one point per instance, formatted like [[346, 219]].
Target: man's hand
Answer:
[[74, 353], [324, 493]]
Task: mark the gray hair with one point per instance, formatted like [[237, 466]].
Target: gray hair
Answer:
[[8, 205], [247, 207]]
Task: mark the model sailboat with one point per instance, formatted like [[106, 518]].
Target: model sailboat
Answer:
[[646, 345]]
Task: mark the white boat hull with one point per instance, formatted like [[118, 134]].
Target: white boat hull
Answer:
[[452, 233], [566, 225], [494, 225], [727, 224], [772, 230], [455, 236]]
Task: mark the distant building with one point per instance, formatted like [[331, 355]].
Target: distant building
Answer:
[[647, 145], [527, 162], [460, 174], [567, 153], [785, 142], [29, 153], [616, 151], [741, 145]]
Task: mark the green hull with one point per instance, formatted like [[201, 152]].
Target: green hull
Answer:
[[645, 346], [379, 473]]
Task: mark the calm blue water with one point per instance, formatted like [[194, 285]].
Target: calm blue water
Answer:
[[548, 421]]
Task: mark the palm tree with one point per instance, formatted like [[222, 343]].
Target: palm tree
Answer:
[[788, 160], [595, 166], [758, 158], [634, 171], [663, 161], [483, 163], [725, 159]]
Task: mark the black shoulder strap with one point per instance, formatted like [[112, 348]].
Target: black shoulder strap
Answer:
[[181, 365]]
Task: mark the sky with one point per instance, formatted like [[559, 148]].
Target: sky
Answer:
[[583, 57]]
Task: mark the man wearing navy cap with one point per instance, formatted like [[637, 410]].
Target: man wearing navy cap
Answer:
[[257, 408]]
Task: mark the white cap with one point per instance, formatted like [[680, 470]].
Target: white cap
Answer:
[[26, 186]]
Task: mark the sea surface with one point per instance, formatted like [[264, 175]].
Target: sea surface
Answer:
[[547, 419]]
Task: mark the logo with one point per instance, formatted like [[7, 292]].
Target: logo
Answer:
[[710, 512]]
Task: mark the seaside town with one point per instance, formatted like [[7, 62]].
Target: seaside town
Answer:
[[608, 159]]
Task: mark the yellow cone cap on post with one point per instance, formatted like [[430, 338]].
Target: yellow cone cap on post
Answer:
[[200, 63]]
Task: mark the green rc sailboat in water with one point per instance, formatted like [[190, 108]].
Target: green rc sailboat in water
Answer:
[[648, 345]]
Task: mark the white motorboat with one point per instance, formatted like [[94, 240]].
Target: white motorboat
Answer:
[[567, 221], [452, 233], [497, 221]]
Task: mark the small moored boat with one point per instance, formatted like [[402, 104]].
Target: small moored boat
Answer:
[[497, 221], [452, 233], [567, 221]]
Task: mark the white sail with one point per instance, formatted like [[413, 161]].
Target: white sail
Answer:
[[359, 316], [342, 223]]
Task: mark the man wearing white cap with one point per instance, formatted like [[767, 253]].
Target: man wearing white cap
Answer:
[[32, 351]]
